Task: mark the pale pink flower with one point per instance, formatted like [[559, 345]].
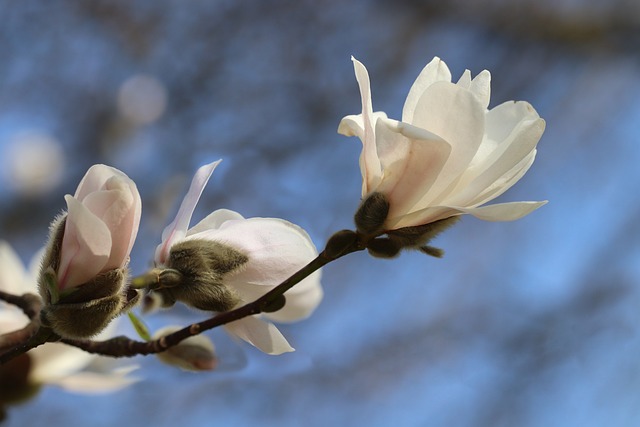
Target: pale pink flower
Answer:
[[450, 154], [101, 226]]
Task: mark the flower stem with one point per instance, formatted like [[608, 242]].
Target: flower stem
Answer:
[[125, 347]]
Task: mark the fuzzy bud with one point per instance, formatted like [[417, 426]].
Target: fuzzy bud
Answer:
[[84, 269], [195, 353], [194, 275], [372, 214]]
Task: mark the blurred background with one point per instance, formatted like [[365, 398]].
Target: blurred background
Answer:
[[530, 323]]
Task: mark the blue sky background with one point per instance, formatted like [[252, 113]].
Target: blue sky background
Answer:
[[530, 323]]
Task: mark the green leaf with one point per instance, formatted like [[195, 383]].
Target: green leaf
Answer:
[[139, 326]]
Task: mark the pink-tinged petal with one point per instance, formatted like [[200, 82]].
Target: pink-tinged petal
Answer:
[[411, 160], [86, 246], [276, 249], [262, 335], [95, 179], [177, 230], [369, 163], [115, 208], [502, 211], [13, 278], [214, 220], [435, 71], [455, 115]]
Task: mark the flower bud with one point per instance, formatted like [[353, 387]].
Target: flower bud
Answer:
[[84, 268], [372, 214], [195, 353], [194, 275]]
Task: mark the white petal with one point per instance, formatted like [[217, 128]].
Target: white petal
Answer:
[[456, 115], [262, 335], [502, 211], [86, 246], [369, 163], [504, 182], [435, 71], [214, 220], [481, 87], [411, 159], [465, 79], [94, 382], [301, 300], [177, 230], [12, 272], [53, 361], [276, 249]]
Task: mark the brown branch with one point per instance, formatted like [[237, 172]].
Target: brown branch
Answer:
[[31, 305], [341, 244]]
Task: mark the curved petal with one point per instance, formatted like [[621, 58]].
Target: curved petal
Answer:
[[214, 220], [301, 300], [369, 163], [502, 211], [506, 181], [411, 159], [434, 71], [454, 114], [262, 335], [115, 208], [276, 249], [86, 246], [95, 179], [177, 230], [353, 125]]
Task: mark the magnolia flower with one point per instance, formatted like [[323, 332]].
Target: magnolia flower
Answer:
[[101, 226], [84, 268], [50, 364], [226, 261], [449, 155]]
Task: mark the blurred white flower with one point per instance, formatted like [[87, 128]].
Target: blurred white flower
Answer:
[[274, 250], [450, 154], [51, 363]]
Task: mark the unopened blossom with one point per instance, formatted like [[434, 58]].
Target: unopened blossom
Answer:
[[53, 363], [196, 353], [226, 261], [85, 265], [448, 156]]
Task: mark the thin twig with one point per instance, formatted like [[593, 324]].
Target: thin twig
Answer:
[[341, 244]]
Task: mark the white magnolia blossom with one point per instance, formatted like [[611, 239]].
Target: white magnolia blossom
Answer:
[[450, 154], [101, 226], [275, 249], [54, 363]]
